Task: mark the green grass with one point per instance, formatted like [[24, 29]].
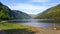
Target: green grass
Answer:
[[5, 25]]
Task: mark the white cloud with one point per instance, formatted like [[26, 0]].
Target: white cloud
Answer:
[[39, 0], [28, 8]]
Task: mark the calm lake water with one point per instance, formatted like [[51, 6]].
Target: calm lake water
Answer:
[[35, 23]]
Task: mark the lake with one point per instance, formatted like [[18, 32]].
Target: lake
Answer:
[[35, 22]]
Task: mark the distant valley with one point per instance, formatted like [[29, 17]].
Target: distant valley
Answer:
[[6, 13]]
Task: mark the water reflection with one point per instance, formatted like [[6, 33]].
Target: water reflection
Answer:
[[35, 22]]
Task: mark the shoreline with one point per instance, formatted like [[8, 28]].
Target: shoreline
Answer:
[[47, 30], [35, 30]]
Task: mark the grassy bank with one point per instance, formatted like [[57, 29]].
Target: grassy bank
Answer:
[[13, 28], [5, 25]]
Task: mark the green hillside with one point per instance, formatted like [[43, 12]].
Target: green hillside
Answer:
[[51, 13], [7, 13], [4, 12]]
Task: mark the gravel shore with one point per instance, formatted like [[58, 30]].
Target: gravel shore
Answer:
[[47, 30]]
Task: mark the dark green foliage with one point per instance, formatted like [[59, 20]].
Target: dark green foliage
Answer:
[[4, 12], [19, 31], [51, 13]]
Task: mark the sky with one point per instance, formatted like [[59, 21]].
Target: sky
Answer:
[[30, 6]]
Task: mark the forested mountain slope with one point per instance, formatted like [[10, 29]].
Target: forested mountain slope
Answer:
[[51, 13]]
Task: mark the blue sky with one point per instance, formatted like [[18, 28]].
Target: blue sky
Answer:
[[30, 6]]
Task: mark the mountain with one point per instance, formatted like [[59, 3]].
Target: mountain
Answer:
[[19, 14], [7, 13], [51, 13]]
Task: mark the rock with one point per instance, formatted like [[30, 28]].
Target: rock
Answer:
[[2, 32]]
